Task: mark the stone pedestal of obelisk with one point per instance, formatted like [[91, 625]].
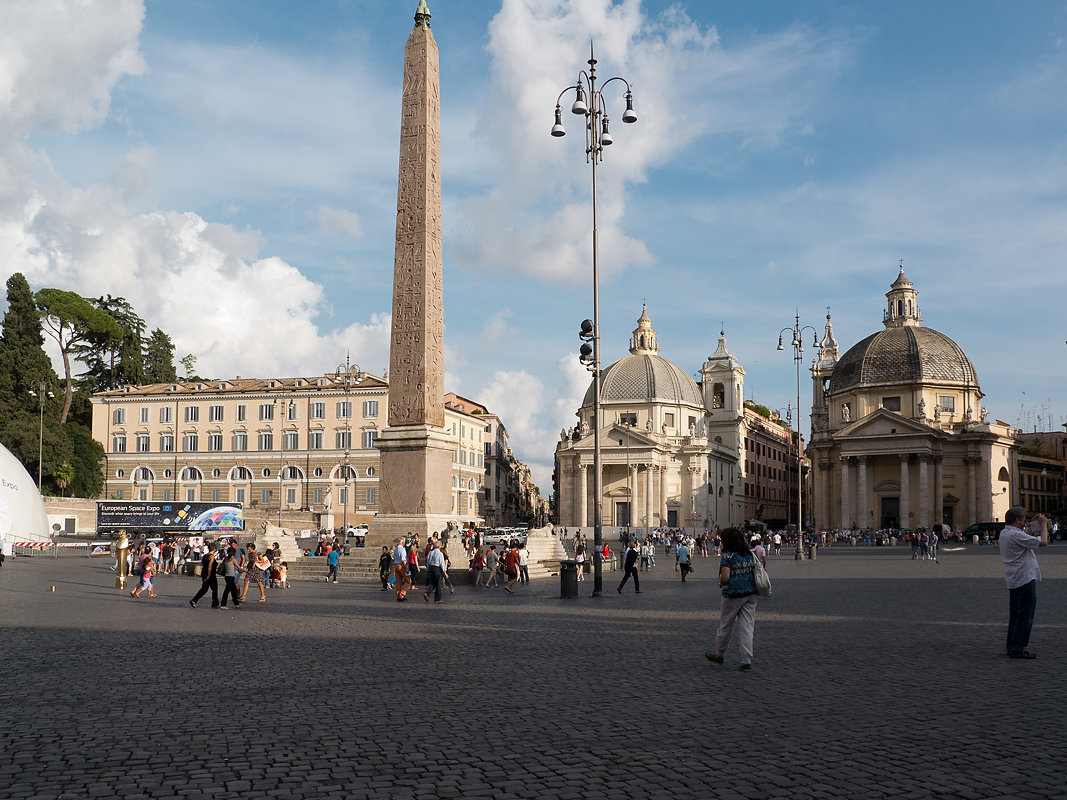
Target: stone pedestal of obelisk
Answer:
[[415, 490]]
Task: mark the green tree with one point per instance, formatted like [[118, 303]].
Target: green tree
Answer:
[[113, 361], [159, 359], [23, 361], [63, 476], [71, 319], [87, 458], [188, 363]]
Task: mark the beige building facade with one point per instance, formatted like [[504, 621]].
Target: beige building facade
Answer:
[[299, 450], [899, 436]]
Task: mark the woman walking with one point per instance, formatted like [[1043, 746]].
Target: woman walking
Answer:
[[579, 559], [738, 598], [477, 564], [254, 573]]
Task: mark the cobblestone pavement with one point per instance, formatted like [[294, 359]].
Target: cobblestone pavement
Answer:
[[875, 676]]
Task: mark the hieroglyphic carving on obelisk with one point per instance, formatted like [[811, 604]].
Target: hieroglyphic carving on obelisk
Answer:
[[416, 363]]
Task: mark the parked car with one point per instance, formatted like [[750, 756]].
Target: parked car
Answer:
[[984, 531]]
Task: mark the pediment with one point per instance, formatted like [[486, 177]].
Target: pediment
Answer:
[[883, 422]]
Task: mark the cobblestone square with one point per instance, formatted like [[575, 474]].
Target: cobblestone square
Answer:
[[874, 676]]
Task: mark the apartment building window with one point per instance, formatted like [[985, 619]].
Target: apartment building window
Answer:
[[344, 440], [242, 412], [145, 415], [192, 413], [316, 496], [462, 456], [214, 495], [344, 409], [240, 442], [315, 440], [264, 496], [215, 413], [166, 495], [142, 443], [214, 442], [290, 411], [290, 496], [266, 412], [318, 411], [370, 409], [239, 495], [372, 495], [166, 443], [292, 441], [118, 494], [266, 441], [118, 416], [142, 494], [118, 443], [370, 439], [668, 419], [190, 443], [190, 495], [947, 404], [342, 496]]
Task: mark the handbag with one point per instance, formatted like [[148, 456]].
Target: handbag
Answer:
[[762, 579]]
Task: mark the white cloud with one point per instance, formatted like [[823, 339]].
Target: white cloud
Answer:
[[59, 61], [496, 330], [337, 220]]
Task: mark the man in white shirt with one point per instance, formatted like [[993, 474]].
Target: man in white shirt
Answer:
[[524, 564], [435, 565], [1018, 551]]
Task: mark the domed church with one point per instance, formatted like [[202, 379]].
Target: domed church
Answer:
[[899, 436], [664, 460]]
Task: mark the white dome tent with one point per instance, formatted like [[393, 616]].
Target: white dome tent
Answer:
[[22, 514]]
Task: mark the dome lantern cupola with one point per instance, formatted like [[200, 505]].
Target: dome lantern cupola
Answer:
[[643, 341], [903, 305]]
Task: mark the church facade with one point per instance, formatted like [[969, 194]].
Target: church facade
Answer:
[[899, 436], [674, 452]]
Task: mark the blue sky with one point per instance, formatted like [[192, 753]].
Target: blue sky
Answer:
[[231, 169]]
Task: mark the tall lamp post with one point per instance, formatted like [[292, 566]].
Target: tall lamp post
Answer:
[[797, 332], [597, 138], [43, 394], [350, 381]]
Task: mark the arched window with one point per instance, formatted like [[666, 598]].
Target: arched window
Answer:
[[1003, 474], [191, 474], [292, 474], [718, 396], [240, 474]]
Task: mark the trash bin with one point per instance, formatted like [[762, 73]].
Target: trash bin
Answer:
[[568, 579], [813, 551]]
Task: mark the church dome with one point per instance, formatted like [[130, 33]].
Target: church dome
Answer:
[[644, 375], [907, 354], [646, 378]]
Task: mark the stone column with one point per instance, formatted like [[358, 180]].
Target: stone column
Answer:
[[972, 506], [663, 494], [924, 490], [583, 495], [846, 494], [648, 499], [905, 492], [862, 500], [939, 490], [824, 490]]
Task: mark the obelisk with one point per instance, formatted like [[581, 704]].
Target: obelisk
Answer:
[[416, 453]]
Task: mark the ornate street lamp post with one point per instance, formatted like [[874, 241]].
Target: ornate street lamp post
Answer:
[[43, 394], [597, 137], [798, 355]]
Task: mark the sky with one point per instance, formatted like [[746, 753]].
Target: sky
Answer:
[[231, 168]]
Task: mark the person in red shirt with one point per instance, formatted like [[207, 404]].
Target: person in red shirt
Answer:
[[511, 567]]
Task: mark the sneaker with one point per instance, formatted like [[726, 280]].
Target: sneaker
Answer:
[[713, 657], [745, 668], [224, 607]]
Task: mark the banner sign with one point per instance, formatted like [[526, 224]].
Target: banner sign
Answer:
[[139, 515]]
